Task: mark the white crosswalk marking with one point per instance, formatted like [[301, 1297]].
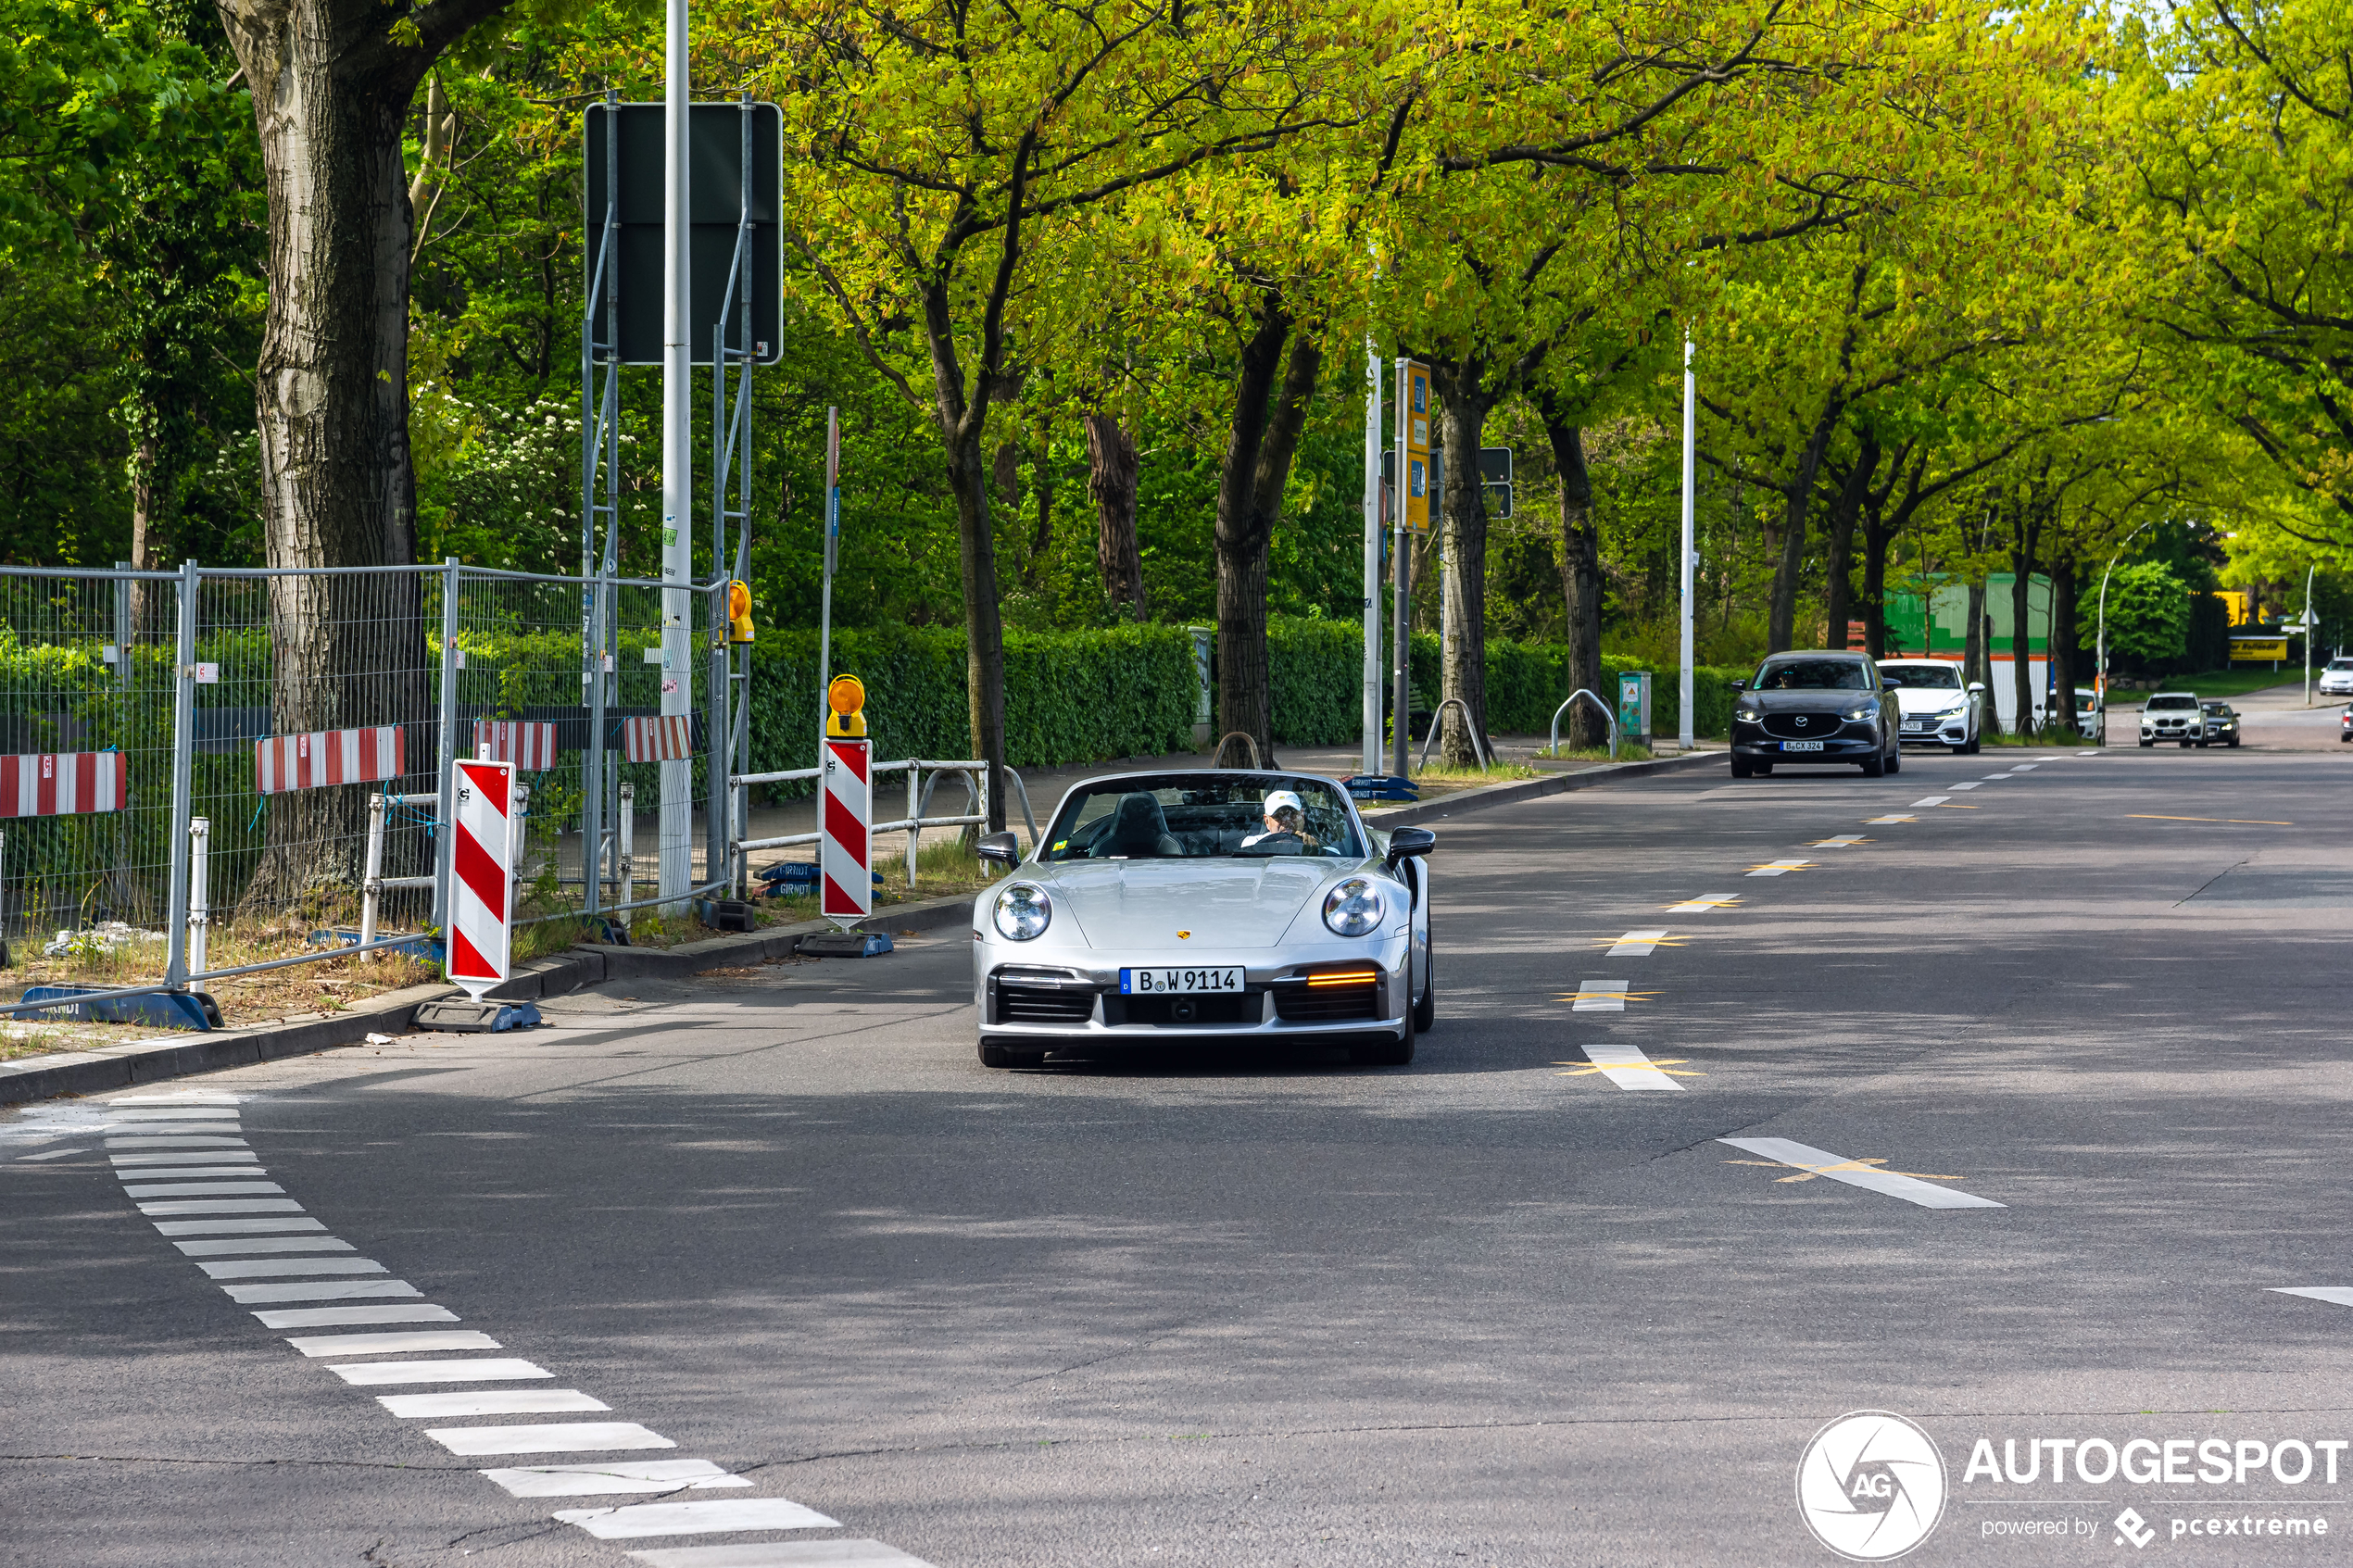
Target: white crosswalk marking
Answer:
[[124, 1161], [479, 1369], [615, 1476], [320, 1290], [209, 1189], [220, 1206], [262, 1243], [1635, 945], [696, 1518], [1600, 996], [835, 1554], [493, 1401], [262, 1268], [581, 1437], [186, 1172], [234, 1227], [206, 1143], [169, 1113], [379, 1344], [334, 1317]]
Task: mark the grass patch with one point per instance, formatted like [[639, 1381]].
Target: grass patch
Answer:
[[1470, 777], [1628, 751], [2050, 734], [2235, 681]]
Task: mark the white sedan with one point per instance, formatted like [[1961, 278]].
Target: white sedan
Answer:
[[1938, 708], [1242, 906], [2337, 679]]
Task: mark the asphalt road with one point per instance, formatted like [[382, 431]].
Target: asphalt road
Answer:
[[1493, 1308]]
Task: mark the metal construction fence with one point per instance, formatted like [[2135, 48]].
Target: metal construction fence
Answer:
[[203, 772]]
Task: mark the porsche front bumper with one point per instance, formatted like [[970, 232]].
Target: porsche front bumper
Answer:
[[1072, 998]]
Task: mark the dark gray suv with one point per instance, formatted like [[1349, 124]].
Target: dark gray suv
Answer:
[[1815, 708]]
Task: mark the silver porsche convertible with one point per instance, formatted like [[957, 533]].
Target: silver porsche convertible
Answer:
[[1216, 905]]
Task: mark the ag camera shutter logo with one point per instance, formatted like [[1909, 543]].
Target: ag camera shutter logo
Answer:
[[1871, 1485]]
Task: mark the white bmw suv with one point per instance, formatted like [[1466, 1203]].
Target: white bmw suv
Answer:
[[2174, 716]]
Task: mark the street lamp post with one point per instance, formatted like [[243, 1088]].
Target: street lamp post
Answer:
[[1686, 739], [2099, 669], [2308, 631]]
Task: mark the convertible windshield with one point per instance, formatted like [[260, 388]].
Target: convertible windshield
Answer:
[[1940, 677], [1814, 674], [1203, 816], [2159, 704]]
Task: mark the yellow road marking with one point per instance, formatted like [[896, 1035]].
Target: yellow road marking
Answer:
[[1808, 1173], [1951, 808], [2241, 821], [1606, 996], [1647, 941]]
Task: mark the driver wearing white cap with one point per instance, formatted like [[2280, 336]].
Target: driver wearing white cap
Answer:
[[1285, 813]]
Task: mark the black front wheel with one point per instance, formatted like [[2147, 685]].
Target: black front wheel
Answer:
[[1875, 765]]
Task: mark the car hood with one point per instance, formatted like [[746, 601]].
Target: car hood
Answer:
[[1237, 903], [1928, 699], [1814, 701]]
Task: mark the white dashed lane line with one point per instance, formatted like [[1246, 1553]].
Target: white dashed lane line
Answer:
[[1971, 784], [1635, 944], [1931, 800], [183, 1161], [1875, 821], [1821, 1163], [2342, 1295], [1600, 996], [1626, 1066], [1779, 868], [1704, 902]]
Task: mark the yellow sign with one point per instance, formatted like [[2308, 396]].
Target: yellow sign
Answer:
[[2233, 605], [847, 698], [1416, 410], [2258, 651]]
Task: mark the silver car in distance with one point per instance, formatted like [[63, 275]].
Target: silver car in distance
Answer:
[[1209, 904]]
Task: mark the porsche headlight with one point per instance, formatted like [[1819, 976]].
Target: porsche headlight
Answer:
[[1024, 911], [1352, 909]]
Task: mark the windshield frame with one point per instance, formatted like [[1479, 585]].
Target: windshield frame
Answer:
[[1064, 824], [2170, 702], [1900, 668], [1772, 662]]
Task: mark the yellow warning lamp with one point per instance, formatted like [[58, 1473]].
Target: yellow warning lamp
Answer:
[[738, 612], [847, 698]]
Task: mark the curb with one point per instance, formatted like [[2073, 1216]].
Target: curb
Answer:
[[1535, 789], [147, 1062]]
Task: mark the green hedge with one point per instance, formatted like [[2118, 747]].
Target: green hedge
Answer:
[[1076, 696]]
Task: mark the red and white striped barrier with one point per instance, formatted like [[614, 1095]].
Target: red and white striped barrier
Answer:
[[529, 747], [846, 892], [670, 739], [63, 784], [329, 756], [481, 868]]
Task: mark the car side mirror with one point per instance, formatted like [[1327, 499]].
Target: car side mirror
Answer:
[[1977, 688], [1408, 842], [1739, 683], [1001, 847]]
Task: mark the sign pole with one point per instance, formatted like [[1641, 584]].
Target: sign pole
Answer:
[[832, 559], [1685, 734], [677, 453], [1400, 569], [1372, 558]]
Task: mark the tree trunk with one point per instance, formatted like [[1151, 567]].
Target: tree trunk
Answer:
[[1838, 596], [2025, 527], [1041, 538], [1464, 401], [1876, 538], [1111, 479], [1973, 660], [1580, 576], [2063, 654], [1260, 441], [149, 543], [331, 95], [984, 622]]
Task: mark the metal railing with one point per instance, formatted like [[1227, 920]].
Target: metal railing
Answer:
[[976, 776], [1608, 718], [189, 694], [1478, 741]]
